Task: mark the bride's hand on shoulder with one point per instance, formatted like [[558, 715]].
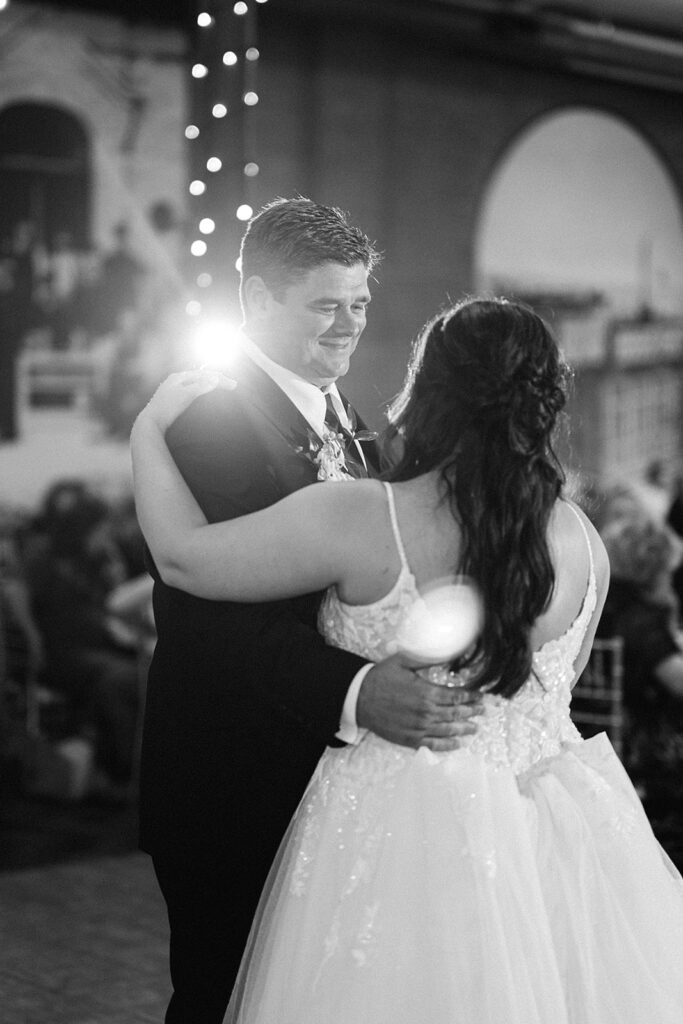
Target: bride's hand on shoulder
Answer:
[[179, 391]]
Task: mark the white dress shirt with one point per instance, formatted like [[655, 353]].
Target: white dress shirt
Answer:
[[310, 401]]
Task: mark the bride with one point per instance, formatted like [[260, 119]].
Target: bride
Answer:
[[515, 880]]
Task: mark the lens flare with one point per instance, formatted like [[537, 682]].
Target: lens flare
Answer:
[[215, 342], [443, 623]]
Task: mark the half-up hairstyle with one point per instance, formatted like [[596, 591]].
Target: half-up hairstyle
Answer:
[[480, 403]]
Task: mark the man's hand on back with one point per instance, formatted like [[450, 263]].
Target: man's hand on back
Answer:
[[401, 706]]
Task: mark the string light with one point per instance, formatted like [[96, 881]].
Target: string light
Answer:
[[231, 90]]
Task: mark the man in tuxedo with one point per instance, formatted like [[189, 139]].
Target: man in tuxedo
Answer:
[[243, 698]]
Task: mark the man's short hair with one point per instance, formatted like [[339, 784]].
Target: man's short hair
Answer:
[[289, 237]]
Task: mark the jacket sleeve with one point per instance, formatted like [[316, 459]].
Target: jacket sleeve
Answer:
[[228, 464]]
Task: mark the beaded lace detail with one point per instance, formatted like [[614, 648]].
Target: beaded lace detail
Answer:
[[512, 733]]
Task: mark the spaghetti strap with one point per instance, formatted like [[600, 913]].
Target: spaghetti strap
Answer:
[[585, 533], [394, 525]]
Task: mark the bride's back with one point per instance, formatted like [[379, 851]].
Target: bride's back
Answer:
[[432, 542]]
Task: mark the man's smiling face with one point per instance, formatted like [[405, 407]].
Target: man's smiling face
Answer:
[[314, 326]]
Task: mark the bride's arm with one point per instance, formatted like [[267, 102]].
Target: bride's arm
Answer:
[[291, 548]]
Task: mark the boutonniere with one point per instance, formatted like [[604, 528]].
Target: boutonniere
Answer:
[[328, 454]]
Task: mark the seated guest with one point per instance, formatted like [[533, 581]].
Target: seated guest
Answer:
[[93, 664], [675, 521], [642, 607]]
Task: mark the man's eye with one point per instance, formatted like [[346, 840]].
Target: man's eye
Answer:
[[328, 310]]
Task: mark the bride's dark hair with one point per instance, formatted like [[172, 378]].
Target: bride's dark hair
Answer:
[[480, 403]]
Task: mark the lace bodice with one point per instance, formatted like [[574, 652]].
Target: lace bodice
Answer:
[[513, 733]]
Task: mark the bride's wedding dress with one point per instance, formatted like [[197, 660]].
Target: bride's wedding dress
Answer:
[[515, 880]]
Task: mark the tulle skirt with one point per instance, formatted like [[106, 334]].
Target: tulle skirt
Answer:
[[415, 888]]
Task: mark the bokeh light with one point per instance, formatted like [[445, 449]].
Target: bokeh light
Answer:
[[213, 164], [215, 342], [443, 623], [251, 98], [207, 225], [219, 110], [197, 187], [199, 71], [252, 53], [198, 247], [240, 7], [204, 281], [193, 308], [192, 131], [251, 169], [204, 19], [244, 212], [230, 58]]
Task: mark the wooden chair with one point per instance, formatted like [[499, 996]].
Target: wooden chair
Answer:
[[598, 696]]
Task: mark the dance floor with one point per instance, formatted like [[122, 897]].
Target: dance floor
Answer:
[[83, 942]]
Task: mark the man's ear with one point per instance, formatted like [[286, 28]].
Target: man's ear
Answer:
[[257, 297]]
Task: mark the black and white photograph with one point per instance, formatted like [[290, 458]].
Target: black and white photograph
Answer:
[[341, 511]]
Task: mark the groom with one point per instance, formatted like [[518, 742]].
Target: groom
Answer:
[[242, 699]]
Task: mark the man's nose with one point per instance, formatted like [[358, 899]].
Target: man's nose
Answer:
[[347, 320]]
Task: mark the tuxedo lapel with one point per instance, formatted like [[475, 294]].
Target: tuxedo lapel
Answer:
[[369, 447], [271, 401]]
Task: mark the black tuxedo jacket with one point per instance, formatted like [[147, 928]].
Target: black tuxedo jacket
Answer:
[[242, 698]]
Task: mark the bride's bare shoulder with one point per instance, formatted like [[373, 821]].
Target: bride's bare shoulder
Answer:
[[569, 538]]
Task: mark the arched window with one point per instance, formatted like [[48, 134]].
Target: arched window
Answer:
[[45, 172]]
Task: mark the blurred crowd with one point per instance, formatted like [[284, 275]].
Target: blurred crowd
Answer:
[[77, 625], [109, 304], [641, 524], [76, 614]]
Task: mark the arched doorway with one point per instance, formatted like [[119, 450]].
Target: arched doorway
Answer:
[[581, 203], [45, 175], [583, 220]]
